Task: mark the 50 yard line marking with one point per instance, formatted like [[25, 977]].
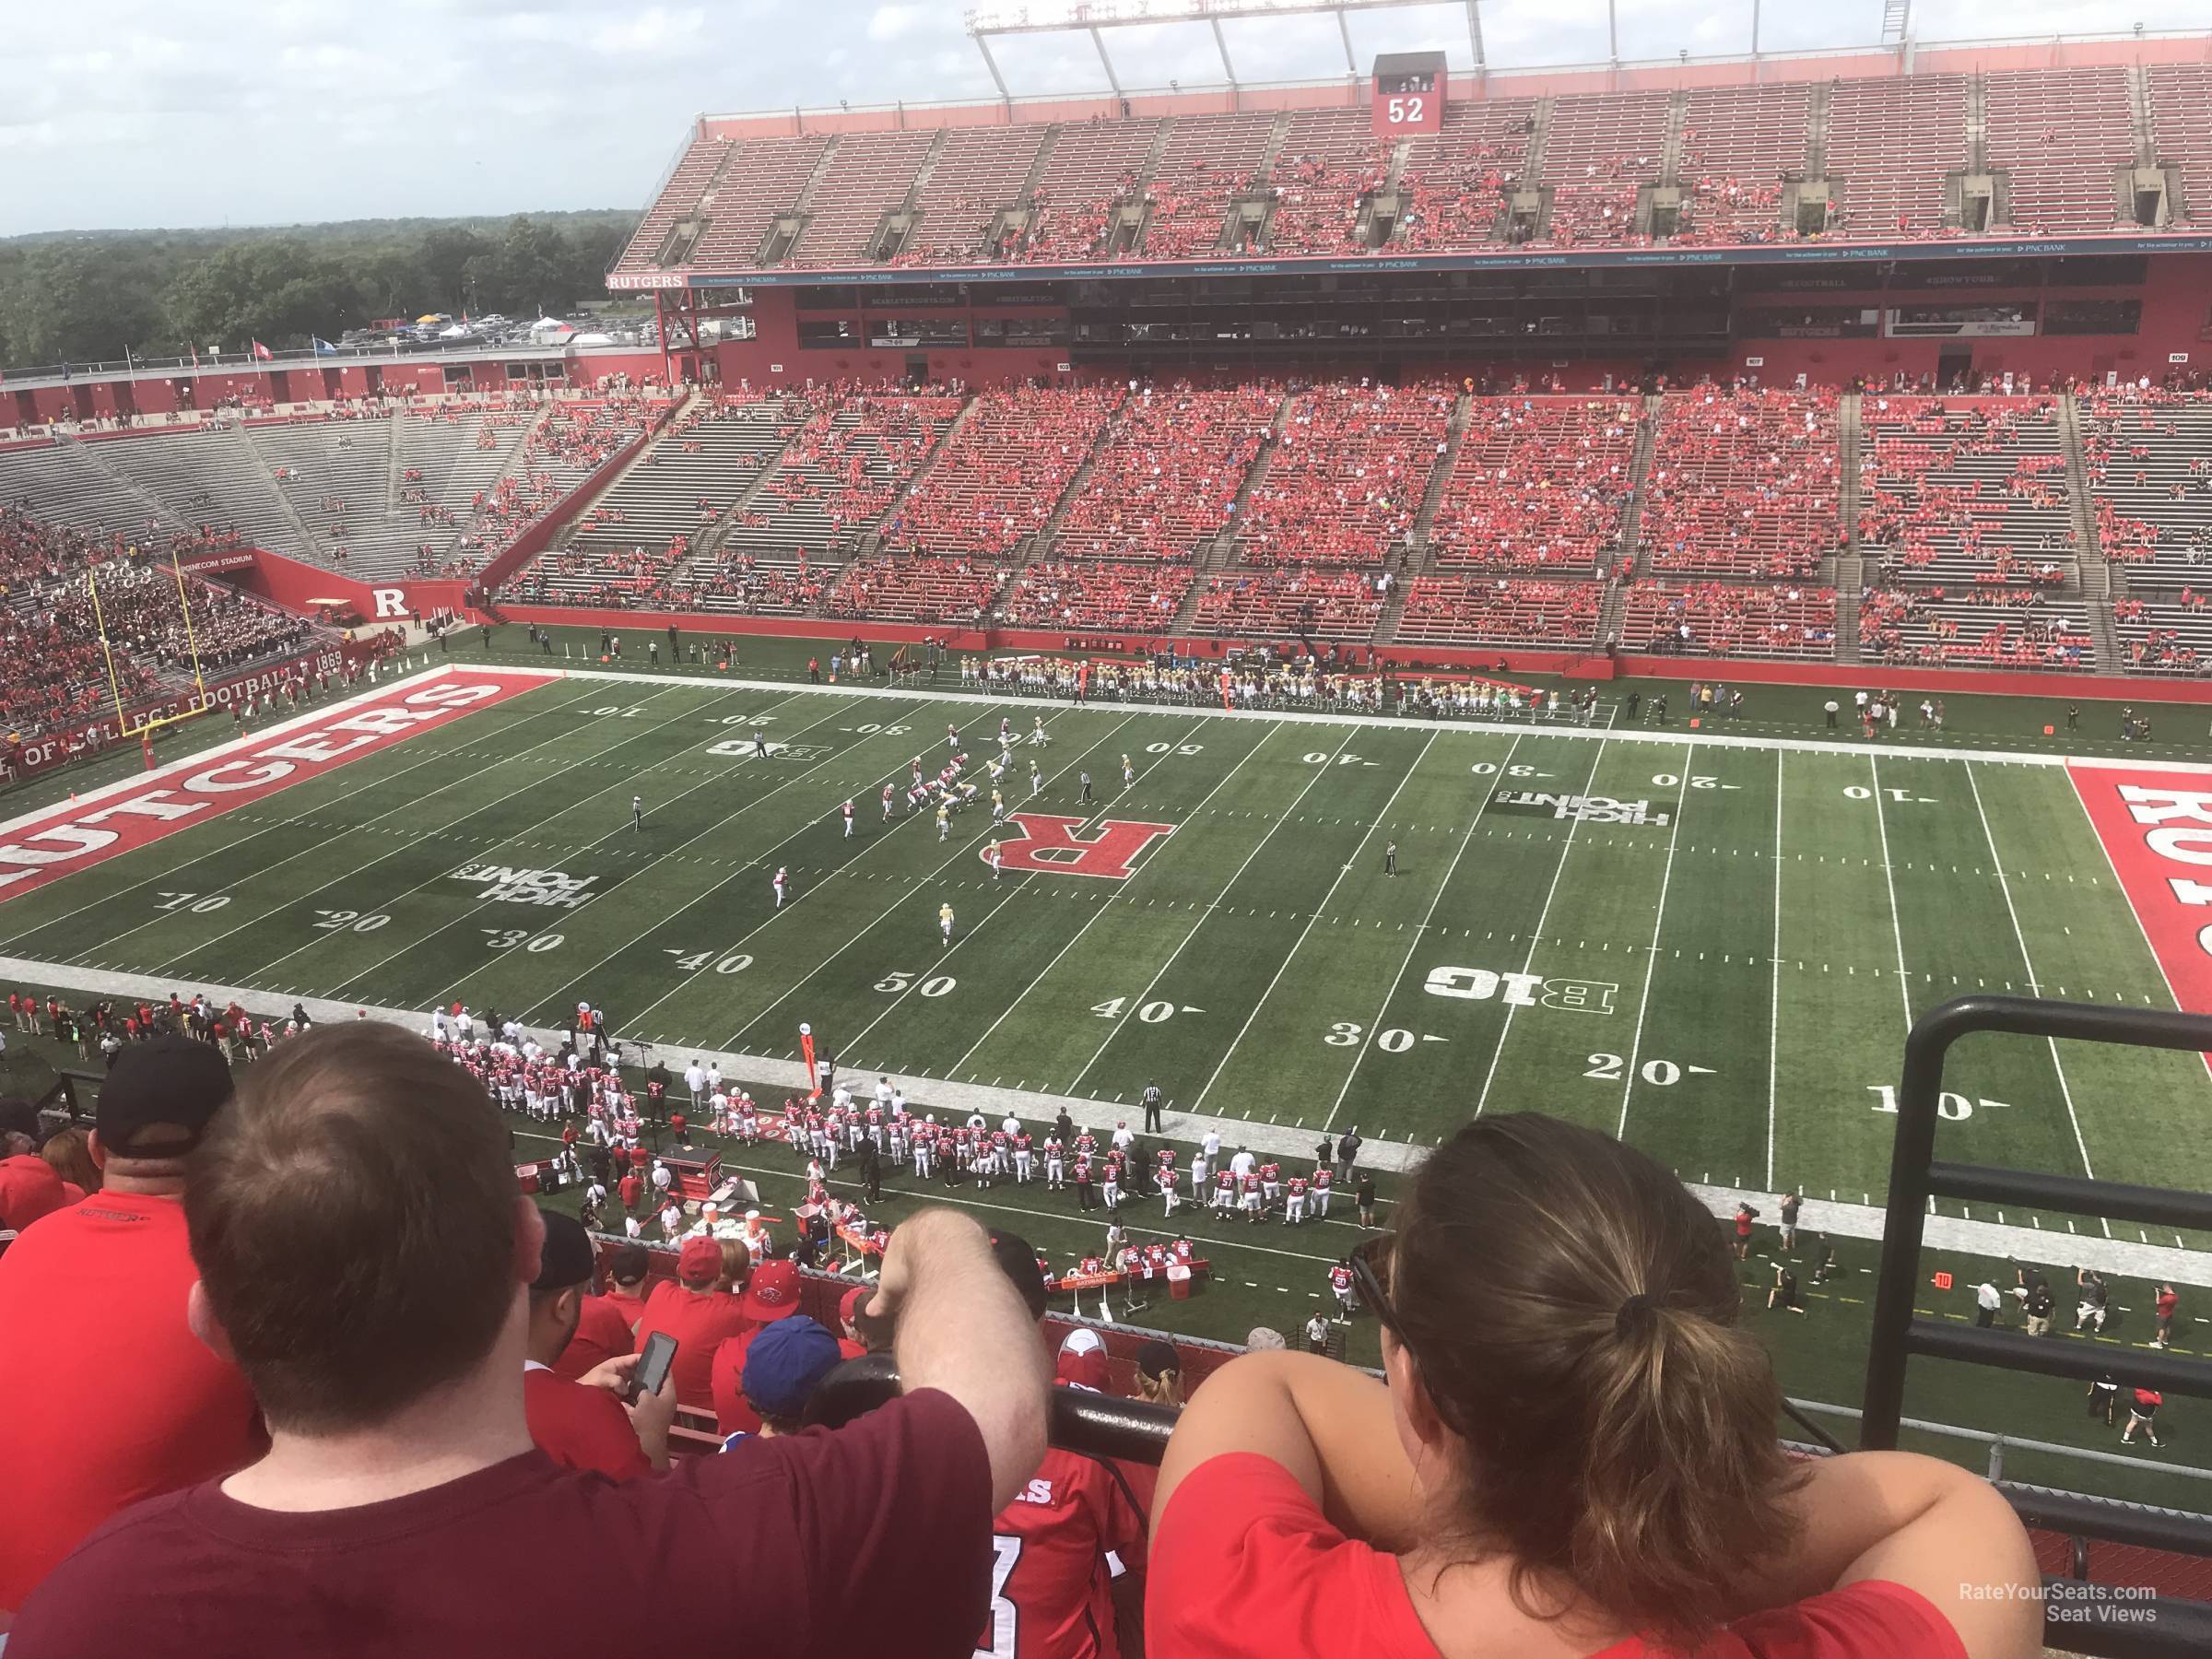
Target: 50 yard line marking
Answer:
[[1381, 1013], [1651, 956], [1380, 819], [1566, 851]]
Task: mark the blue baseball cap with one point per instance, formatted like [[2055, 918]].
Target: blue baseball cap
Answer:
[[785, 1362]]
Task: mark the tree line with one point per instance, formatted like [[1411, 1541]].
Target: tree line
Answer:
[[83, 297]]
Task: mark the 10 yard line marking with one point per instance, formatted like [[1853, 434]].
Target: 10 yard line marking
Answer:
[[1566, 851], [1281, 818], [1382, 1012], [1650, 958], [1904, 982], [1774, 993], [1380, 818], [2004, 885], [954, 1070]]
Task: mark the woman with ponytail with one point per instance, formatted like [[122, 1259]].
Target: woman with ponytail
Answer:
[[1574, 1454]]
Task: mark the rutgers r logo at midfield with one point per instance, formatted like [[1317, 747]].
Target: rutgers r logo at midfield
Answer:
[[1051, 844]]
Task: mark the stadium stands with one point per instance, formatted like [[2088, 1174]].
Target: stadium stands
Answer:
[[63, 483], [1208, 159], [855, 453], [1137, 596], [2064, 135], [1465, 610], [1539, 483], [870, 177], [2165, 636], [1092, 166], [752, 183], [1458, 179], [1743, 483], [1737, 143], [998, 479], [1720, 618], [2181, 119], [1167, 474], [1965, 489], [1600, 151], [955, 590], [1891, 144], [980, 173], [1327, 604], [1330, 161], [1345, 478], [2148, 456], [1986, 627]]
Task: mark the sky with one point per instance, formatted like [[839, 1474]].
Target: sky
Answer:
[[132, 113]]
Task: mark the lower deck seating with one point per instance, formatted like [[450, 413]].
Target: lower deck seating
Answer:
[[2165, 634], [1479, 610], [1281, 602], [1985, 627], [1720, 618], [1139, 596], [916, 590]]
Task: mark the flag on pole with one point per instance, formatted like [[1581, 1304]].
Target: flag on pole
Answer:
[[262, 353], [813, 1090], [323, 346]]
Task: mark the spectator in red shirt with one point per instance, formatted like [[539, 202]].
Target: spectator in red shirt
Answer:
[[772, 1295], [700, 1311], [93, 1340], [603, 1323], [1573, 1452], [579, 1423], [626, 1272], [401, 1506]]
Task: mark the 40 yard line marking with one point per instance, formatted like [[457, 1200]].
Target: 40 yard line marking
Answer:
[[1375, 1025], [1651, 957], [1380, 819], [1566, 851]]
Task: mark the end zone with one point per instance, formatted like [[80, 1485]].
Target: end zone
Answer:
[[134, 812]]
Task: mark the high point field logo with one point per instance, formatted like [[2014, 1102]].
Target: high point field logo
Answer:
[[1585, 809], [504, 885]]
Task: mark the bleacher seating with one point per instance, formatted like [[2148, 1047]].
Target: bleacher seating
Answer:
[[1890, 145], [2181, 119], [870, 177], [1538, 484], [751, 184], [853, 456], [1345, 481], [1601, 148], [1984, 626], [61, 484], [1964, 490], [204, 474], [1486, 610], [1743, 483], [1168, 473], [1457, 179], [1331, 160], [1274, 605], [1137, 596], [998, 479], [691, 477], [956, 591], [572, 440], [1738, 142], [2149, 460], [1721, 618], [2063, 135], [980, 171], [1207, 160], [2165, 635], [1093, 164]]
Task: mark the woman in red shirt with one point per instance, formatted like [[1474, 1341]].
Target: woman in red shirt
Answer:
[[1574, 1454]]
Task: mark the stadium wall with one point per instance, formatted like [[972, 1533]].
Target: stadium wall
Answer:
[[309, 589]]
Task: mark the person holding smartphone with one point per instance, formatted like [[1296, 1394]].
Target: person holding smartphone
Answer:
[[591, 1422]]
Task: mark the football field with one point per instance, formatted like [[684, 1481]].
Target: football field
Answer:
[[1710, 945]]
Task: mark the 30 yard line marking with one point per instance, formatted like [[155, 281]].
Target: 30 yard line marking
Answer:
[[1775, 991], [1380, 819], [1566, 848], [2004, 885], [1281, 818], [1650, 960], [1391, 990]]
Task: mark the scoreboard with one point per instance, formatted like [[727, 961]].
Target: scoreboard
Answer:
[[1408, 94]]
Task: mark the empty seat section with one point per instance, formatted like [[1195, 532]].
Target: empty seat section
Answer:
[[1279, 604], [2064, 135], [759, 180], [979, 173], [1893, 143], [1964, 490], [869, 176], [2181, 119], [2149, 459], [1738, 142]]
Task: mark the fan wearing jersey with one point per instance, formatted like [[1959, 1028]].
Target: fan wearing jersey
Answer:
[[1072, 1543]]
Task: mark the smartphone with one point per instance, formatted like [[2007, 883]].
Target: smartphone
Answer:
[[652, 1366]]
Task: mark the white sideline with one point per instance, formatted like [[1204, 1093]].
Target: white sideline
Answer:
[[2153, 1262]]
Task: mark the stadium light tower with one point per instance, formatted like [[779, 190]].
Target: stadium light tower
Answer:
[[1094, 17]]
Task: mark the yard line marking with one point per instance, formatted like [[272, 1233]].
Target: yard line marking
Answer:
[[1380, 819], [1535, 939], [1904, 982], [329, 712], [1097, 911], [412, 841], [1774, 993], [1374, 1024], [1281, 818], [1666, 875], [2020, 938], [965, 849]]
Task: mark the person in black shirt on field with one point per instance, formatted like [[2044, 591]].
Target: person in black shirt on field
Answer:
[[871, 1170], [1348, 1150], [1152, 1107], [1367, 1200]]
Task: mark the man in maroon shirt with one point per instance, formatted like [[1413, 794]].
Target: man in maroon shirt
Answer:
[[402, 1508], [579, 1422]]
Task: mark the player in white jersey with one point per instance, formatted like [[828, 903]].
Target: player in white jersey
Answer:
[[1035, 780], [945, 921], [783, 879], [1128, 772], [1055, 1163], [995, 859], [887, 803], [998, 808], [943, 821], [848, 821], [1038, 734]]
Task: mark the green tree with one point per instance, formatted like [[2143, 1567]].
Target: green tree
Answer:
[[277, 291], [73, 301]]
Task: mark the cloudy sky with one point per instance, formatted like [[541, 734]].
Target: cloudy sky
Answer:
[[142, 113]]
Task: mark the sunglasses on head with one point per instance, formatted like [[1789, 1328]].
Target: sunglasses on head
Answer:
[[1369, 1263]]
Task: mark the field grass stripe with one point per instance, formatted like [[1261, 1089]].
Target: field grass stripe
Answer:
[[1651, 956], [1380, 819], [954, 1069], [1896, 931], [1566, 851], [1420, 933], [2004, 885], [1774, 990]]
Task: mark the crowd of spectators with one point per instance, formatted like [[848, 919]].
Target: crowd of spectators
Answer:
[[1318, 202], [998, 480], [1721, 618], [1743, 482], [1965, 489], [2003, 627], [1346, 477], [1070, 594], [1538, 484], [916, 588], [574, 441], [1443, 610], [853, 456], [1166, 478], [1286, 600]]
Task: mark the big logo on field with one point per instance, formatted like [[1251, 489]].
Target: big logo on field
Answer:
[[1585, 809], [1051, 844], [505, 885]]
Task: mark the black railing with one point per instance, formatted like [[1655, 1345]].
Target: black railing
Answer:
[[2152, 1629]]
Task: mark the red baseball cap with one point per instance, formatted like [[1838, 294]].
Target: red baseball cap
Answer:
[[850, 1302], [700, 1262], [774, 1292], [29, 1189]]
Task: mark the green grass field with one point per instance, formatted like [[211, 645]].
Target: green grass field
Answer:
[[1726, 983]]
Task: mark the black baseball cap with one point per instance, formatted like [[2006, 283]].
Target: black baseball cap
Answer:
[[628, 1264], [566, 1259], [167, 1079]]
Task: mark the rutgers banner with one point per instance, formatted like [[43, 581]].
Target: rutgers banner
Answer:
[[2156, 829]]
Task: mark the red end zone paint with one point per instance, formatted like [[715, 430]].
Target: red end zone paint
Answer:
[[2156, 830], [115, 821]]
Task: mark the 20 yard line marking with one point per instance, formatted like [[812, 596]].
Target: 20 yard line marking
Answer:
[[1380, 819], [1381, 1013], [1566, 849], [1651, 960]]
